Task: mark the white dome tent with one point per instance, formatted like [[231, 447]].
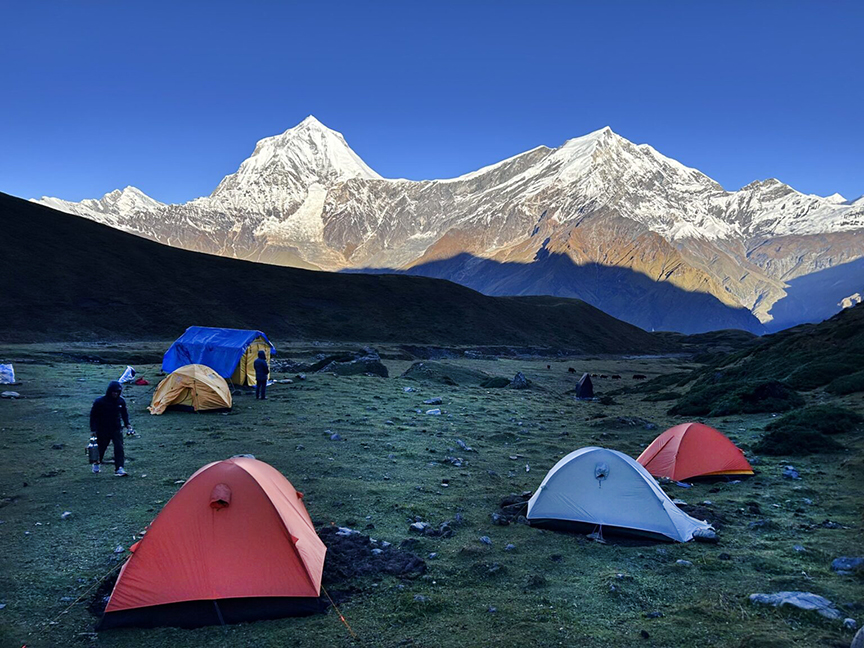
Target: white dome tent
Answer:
[[597, 487]]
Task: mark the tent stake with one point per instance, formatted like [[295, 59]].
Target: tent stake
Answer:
[[219, 614]]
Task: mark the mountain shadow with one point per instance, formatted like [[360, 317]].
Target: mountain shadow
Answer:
[[817, 296], [69, 278], [623, 293]]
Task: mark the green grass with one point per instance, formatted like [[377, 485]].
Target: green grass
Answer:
[[382, 470]]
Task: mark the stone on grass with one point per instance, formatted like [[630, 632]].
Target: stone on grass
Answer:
[[433, 401], [10, 394], [419, 527], [486, 540], [706, 535], [850, 624], [434, 412], [858, 641], [335, 437], [789, 472], [683, 563], [65, 515], [845, 566], [119, 549], [519, 381], [802, 600]]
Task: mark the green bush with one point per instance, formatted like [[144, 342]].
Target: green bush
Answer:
[[819, 373], [847, 384], [795, 441], [732, 398], [826, 419]]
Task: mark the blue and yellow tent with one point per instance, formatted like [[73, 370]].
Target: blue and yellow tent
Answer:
[[229, 352]]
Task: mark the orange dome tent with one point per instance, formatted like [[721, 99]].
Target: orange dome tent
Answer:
[[693, 450], [235, 543]]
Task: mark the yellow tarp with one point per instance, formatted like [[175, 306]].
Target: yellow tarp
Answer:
[[244, 374], [196, 386]]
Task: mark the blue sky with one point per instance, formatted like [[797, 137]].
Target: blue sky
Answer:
[[172, 96]]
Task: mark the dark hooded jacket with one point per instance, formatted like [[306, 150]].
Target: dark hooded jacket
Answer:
[[261, 368], [109, 414]]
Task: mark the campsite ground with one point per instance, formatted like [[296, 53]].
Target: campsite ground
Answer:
[[551, 589]]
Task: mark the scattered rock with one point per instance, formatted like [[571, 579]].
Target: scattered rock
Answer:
[[858, 641], [408, 390], [66, 515], [464, 446], [434, 412], [434, 401], [335, 437], [486, 540], [706, 535], [519, 381], [419, 527], [10, 394], [683, 563], [500, 520], [119, 549], [846, 566], [419, 598], [850, 624], [802, 600], [799, 548], [510, 547], [789, 472]]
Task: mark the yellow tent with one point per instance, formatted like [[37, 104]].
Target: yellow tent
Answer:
[[194, 387], [244, 374]]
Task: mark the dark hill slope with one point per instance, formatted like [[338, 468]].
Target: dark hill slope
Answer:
[[757, 378], [63, 277]]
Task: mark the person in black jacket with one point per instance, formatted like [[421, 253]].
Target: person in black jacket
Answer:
[[262, 371], [107, 416]]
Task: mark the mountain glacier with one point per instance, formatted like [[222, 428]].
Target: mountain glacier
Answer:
[[600, 218]]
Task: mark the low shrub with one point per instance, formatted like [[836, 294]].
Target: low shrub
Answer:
[[847, 384], [732, 398], [825, 419], [795, 441]]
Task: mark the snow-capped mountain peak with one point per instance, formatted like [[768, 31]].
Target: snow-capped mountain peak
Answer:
[[310, 153]]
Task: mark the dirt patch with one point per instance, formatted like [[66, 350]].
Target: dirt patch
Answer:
[[352, 555]]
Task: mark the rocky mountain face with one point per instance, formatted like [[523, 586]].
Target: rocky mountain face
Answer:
[[599, 218]]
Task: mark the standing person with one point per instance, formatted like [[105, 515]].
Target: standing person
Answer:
[[107, 416], [262, 372]]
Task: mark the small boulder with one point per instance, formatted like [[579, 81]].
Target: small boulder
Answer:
[[10, 394], [789, 472], [66, 515], [706, 535], [434, 412], [519, 382], [419, 527], [845, 565], [858, 641], [434, 401], [486, 540], [683, 563], [802, 600]]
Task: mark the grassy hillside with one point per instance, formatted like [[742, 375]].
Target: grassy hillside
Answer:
[[765, 377], [67, 278]]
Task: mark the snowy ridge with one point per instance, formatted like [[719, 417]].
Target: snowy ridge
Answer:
[[305, 198]]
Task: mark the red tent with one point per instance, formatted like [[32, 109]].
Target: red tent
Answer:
[[235, 543], [693, 450]]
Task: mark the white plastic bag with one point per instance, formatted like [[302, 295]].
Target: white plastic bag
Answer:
[[128, 375], [7, 374]]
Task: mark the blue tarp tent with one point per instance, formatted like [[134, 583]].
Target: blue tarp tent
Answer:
[[229, 352]]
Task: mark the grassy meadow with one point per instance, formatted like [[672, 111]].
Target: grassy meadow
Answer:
[[552, 589]]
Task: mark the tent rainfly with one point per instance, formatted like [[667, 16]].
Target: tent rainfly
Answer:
[[693, 450], [193, 388], [234, 544], [229, 352], [599, 488]]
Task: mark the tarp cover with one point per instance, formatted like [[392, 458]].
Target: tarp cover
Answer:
[[218, 348], [605, 487]]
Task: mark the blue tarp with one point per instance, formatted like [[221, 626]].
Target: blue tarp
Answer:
[[218, 348]]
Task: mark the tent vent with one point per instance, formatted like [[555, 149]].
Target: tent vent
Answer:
[[601, 472], [220, 497]]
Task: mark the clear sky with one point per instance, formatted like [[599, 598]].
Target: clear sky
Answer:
[[172, 96]]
